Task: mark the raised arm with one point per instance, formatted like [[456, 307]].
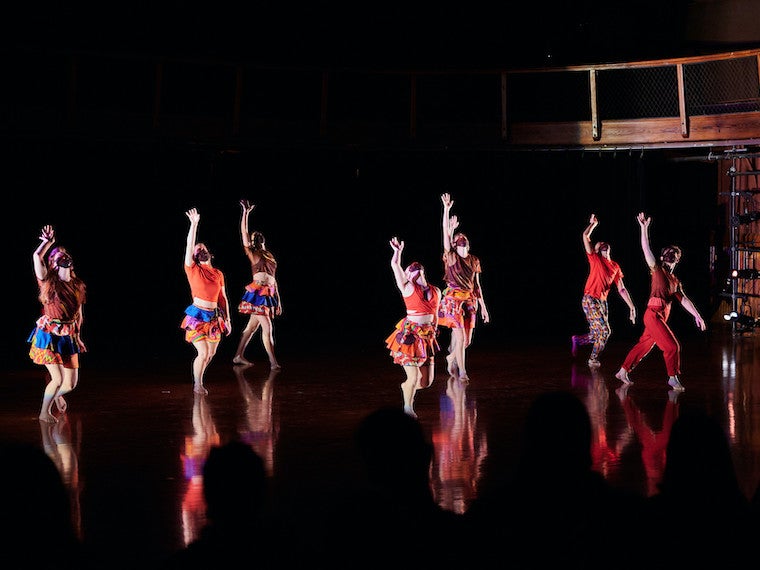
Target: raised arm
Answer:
[[644, 222], [448, 203], [398, 270], [47, 237], [586, 235], [245, 210], [194, 217]]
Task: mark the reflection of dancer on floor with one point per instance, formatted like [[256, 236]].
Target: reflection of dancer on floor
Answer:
[[208, 318], [603, 273], [460, 449], [653, 443], [261, 300], [56, 342], [606, 448], [463, 294], [260, 430], [413, 343], [57, 443], [665, 287], [197, 446]]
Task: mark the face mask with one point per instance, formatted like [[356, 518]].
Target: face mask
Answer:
[[65, 262], [202, 256]]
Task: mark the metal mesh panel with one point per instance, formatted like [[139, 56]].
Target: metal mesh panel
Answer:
[[637, 93], [724, 86]]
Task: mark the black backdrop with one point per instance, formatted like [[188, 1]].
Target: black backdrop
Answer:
[[327, 216]]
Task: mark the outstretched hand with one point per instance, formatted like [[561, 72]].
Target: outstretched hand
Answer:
[[47, 233], [193, 215], [643, 220], [247, 206], [593, 220], [448, 203], [397, 245]]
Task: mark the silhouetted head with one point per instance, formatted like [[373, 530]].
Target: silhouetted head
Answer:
[[698, 458], [557, 435], [394, 447], [234, 482]]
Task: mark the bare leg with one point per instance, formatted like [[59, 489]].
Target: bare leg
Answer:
[[206, 351], [267, 339], [70, 381], [408, 389], [245, 337], [51, 390], [458, 346]]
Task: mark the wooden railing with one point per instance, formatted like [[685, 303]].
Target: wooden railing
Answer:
[[697, 101]]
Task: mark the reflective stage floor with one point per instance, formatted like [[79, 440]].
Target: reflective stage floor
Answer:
[[134, 439]]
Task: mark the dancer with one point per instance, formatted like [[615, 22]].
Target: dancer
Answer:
[[413, 342], [56, 341], [665, 287], [463, 293], [603, 273], [261, 300], [208, 318]]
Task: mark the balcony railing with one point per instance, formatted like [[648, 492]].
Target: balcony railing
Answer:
[[687, 102]]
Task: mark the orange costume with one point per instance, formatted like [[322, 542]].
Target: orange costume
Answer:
[[206, 283], [411, 343]]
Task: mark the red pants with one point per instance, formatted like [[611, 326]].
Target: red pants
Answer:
[[656, 333]]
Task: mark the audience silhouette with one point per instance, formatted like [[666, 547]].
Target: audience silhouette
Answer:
[[39, 531], [390, 519], [554, 510], [699, 504], [235, 491]]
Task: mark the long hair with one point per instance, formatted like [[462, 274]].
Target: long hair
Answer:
[[258, 246], [70, 294]]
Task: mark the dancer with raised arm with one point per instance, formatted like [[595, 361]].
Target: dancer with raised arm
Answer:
[[413, 342], [463, 294], [603, 273], [208, 318], [665, 287], [261, 300], [56, 341]]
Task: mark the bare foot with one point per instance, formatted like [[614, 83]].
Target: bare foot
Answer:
[[48, 418], [451, 365], [410, 412], [464, 379], [241, 360], [61, 404], [199, 389], [275, 366], [622, 375]]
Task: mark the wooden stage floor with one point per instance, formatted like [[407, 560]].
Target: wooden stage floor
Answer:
[[131, 446]]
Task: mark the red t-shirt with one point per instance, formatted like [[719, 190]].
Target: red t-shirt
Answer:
[[602, 274], [417, 304], [206, 282]]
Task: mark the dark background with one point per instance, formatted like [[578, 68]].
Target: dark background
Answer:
[[328, 213]]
